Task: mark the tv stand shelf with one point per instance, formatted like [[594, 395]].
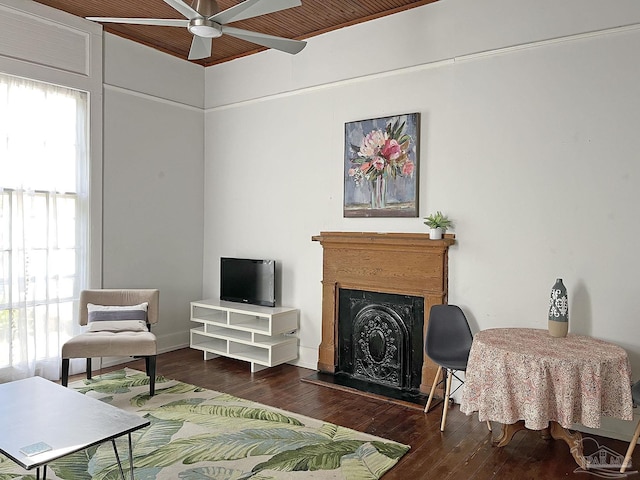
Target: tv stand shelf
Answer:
[[256, 334]]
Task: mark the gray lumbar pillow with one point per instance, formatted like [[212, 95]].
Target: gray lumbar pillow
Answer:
[[101, 313]]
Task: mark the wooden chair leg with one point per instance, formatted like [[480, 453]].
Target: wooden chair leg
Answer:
[[632, 445], [65, 372], [446, 400], [433, 389], [88, 368], [489, 426]]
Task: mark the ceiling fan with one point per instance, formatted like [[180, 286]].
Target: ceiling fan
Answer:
[[206, 22]]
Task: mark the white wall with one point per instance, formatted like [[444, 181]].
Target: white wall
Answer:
[[529, 142], [153, 187]]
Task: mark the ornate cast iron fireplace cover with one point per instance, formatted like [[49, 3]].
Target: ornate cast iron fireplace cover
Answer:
[[380, 339]]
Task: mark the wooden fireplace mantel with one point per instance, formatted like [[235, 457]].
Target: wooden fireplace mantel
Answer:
[[400, 263]]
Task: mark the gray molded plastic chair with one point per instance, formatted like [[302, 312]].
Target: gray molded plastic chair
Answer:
[[635, 392], [115, 341], [448, 344]]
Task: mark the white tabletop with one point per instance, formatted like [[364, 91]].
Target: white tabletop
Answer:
[[38, 410]]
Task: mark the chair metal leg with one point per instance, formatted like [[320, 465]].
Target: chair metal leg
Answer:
[[433, 389], [446, 400], [632, 445], [151, 372], [65, 372], [88, 368]]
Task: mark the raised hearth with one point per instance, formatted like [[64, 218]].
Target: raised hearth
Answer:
[[397, 265]]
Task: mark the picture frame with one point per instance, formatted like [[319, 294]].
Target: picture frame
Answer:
[[381, 166]]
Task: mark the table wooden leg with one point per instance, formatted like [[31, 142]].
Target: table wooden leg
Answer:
[[507, 433], [574, 440], [555, 430]]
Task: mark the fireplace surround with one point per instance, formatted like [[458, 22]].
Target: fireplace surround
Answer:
[[405, 264]]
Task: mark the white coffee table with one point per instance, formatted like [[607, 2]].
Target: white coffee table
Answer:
[[36, 410]]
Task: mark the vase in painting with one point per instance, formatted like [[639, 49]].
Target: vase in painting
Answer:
[[558, 310], [378, 192]]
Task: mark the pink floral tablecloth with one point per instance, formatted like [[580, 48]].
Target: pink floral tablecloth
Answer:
[[525, 374]]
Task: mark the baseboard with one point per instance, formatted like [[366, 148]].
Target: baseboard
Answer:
[[612, 428], [103, 362], [172, 348]]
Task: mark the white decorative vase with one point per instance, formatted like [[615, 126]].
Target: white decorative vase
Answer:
[[435, 233]]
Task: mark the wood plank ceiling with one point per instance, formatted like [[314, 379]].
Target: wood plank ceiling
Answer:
[[313, 18]]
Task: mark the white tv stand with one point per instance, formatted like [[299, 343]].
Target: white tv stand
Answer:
[[256, 334]]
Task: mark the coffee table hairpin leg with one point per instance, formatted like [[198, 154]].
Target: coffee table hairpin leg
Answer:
[[44, 473], [113, 441]]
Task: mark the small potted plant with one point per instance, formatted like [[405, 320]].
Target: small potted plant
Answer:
[[438, 224]]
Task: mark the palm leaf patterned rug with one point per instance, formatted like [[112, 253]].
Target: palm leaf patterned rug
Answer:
[[200, 434]]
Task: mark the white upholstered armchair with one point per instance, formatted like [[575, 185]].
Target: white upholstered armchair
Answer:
[[119, 323]]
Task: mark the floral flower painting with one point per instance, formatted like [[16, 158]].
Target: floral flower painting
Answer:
[[380, 177]]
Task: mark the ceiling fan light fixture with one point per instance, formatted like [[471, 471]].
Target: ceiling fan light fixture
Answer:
[[205, 28]]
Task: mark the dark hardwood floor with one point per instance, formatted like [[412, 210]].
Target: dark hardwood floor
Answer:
[[463, 451]]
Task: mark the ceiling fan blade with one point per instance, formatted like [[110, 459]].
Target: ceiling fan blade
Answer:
[[163, 22], [200, 48], [279, 43], [252, 8], [183, 8]]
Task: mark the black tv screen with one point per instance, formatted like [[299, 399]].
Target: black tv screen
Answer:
[[248, 281]]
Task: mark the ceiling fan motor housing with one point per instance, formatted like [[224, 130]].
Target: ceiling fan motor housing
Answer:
[[206, 8]]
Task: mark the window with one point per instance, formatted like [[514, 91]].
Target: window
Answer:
[[43, 223]]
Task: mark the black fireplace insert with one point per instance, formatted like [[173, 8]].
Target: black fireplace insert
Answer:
[[380, 344]]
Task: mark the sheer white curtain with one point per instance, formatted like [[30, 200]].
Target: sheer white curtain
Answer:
[[43, 223]]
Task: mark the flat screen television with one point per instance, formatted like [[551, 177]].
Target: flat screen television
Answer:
[[246, 280]]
